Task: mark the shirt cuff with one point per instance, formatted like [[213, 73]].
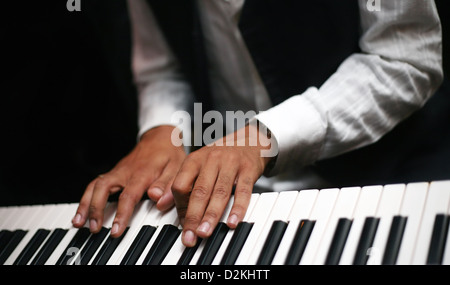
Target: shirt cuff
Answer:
[[159, 103], [299, 127]]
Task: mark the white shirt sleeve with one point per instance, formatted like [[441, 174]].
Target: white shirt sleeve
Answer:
[[161, 88], [397, 71]]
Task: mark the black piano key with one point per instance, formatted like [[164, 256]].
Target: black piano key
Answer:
[[236, 243], [13, 241], [138, 245], [394, 240], [338, 242], [162, 245], [189, 253], [74, 245], [272, 242], [49, 246], [108, 249], [32, 246], [299, 243], [213, 244], [92, 244], [366, 240], [5, 237], [438, 238]]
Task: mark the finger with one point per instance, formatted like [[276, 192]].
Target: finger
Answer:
[[242, 196], [219, 199], [182, 186], [104, 186], [82, 212], [200, 197], [160, 190], [128, 199], [167, 201]]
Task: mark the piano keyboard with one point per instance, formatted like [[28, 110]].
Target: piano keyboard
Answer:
[[396, 224]]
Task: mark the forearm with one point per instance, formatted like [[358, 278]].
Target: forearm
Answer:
[[161, 87], [371, 92]]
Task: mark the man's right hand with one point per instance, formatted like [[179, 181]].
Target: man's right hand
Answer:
[[150, 167]]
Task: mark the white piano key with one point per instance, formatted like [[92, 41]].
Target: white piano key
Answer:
[[158, 220], [280, 211], [258, 217], [61, 215], [389, 206], [18, 221], [108, 220], [412, 208], [200, 249], [178, 248], [175, 252], [152, 219], [198, 252], [321, 214], [68, 218], [59, 250], [230, 233], [446, 257], [366, 207], [301, 210], [9, 215], [344, 208], [437, 203], [17, 218], [4, 213], [39, 218], [139, 214]]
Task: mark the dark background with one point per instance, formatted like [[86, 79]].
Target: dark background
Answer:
[[68, 100], [68, 103]]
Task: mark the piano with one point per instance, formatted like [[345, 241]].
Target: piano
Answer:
[[395, 224]]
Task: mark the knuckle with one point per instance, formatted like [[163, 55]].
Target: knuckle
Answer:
[[221, 192], [247, 181], [192, 219], [200, 192], [128, 197], [243, 190], [94, 209], [225, 180], [102, 183], [234, 157], [161, 184], [212, 215], [245, 164], [215, 154], [181, 188]]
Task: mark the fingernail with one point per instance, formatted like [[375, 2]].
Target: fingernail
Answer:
[[204, 228], [115, 228], [233, 220], [76, 219], [93, 224], [189, 238], [157, 192]]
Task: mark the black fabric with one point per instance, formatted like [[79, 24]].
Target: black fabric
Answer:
[[68, 104], [298, 44], [180, 23]]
